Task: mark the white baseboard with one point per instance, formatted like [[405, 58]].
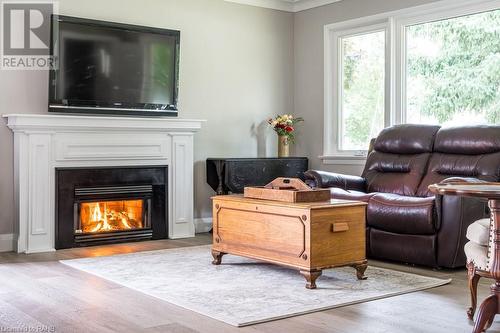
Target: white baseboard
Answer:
[[7, 242], [203, 224]]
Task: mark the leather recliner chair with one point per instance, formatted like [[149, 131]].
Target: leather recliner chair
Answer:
[[405, 222]]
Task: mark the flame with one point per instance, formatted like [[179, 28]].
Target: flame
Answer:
[[111, 216], [125, 223], [96, 213], [106, 226], [97, 228]]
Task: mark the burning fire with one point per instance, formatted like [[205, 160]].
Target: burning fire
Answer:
[[111, 216]]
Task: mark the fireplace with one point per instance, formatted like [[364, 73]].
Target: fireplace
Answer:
[[44, 143], [110, 205]]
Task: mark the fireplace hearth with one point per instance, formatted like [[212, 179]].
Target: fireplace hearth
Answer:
[[110, 205]]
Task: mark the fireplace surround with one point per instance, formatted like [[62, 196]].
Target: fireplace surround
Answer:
[[44, 143], [109, 205]]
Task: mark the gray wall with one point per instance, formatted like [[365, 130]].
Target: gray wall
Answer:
[[236, 71], [239, 66], [308, 91]]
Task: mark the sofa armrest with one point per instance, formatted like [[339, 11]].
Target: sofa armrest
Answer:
[[323, 179], [455, 214]]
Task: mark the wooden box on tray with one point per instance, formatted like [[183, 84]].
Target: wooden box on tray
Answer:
[[287, 190]]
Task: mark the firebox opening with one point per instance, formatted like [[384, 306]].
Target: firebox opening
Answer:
[[106, 216], [107, 205]]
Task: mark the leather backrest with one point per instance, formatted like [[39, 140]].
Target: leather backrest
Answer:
[[472, 151], [468, 140], [399, 159], [406, 139]]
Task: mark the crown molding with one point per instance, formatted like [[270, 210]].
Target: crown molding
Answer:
[[292, 6], [300, 5]]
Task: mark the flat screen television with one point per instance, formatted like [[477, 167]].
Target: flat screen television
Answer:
[[113, 68]]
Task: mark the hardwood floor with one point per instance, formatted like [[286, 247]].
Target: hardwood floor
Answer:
[[37, 291]]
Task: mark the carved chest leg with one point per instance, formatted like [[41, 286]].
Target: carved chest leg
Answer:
[[217, 257], [311, 277], [360, 270]]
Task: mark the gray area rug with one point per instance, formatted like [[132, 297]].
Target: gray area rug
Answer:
[[241, 291]]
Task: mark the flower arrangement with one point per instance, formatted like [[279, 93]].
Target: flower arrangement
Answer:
[[284, 125]]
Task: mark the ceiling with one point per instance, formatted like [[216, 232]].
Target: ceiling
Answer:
[[286, 5]]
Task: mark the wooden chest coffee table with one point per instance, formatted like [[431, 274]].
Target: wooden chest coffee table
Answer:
[[307, 236]]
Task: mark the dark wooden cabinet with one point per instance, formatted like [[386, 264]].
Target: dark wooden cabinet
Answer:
[[231, 175]]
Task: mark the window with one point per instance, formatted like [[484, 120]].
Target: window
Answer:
[[362, 85], [453, 70], [436, 64]]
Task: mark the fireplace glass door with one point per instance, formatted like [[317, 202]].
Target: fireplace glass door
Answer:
[[105, 216], [112, 213]]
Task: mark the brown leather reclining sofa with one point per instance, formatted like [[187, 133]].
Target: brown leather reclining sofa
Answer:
[[405, 222]]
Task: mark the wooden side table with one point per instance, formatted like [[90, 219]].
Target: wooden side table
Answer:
[[491, 191]]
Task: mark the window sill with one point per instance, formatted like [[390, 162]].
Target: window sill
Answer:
[[343, 159]]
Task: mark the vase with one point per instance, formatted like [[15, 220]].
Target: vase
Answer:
[[283, 146]]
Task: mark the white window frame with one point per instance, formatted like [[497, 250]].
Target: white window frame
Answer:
[[338, 77], [395, 24]]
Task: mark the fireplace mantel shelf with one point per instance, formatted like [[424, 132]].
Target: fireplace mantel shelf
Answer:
[[43, 143], [26, 122]]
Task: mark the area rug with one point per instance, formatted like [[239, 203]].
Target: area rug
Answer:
[[241, 291]]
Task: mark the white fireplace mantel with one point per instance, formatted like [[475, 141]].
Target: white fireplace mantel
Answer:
[[43, 143]]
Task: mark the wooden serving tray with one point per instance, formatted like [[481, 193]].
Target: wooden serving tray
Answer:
[[287, 190]]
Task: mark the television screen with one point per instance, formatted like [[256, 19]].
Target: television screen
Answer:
[[113, 68]]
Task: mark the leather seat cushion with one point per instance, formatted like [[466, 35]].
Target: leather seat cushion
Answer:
[[479, 232], [338, 193], [401, 214], [477, 254]]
